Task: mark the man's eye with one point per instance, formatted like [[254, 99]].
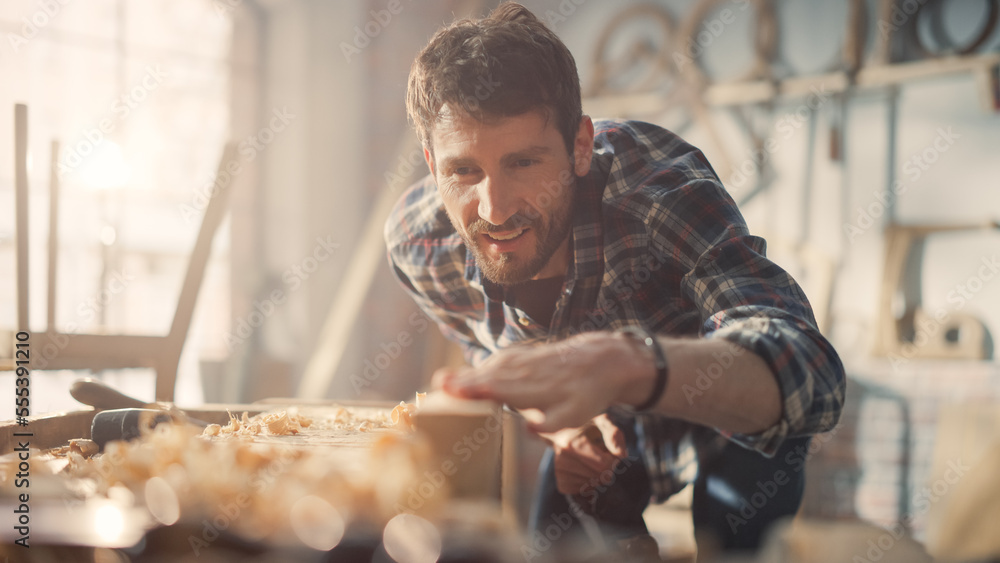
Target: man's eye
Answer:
[[463, 171], [524, 163]]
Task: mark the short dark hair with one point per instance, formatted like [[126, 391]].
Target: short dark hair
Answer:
[[502, 65]]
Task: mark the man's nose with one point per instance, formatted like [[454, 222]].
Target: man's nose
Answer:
[[496, 202]]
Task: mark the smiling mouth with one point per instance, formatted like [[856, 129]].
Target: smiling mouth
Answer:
[[510, 235]]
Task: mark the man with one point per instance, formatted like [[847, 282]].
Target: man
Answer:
[[538, 226]]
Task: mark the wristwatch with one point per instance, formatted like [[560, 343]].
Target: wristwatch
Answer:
[[643, 335]]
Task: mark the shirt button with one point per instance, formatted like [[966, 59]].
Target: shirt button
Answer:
[[524, 321]]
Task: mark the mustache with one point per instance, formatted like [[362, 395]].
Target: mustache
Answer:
[[517, 221]]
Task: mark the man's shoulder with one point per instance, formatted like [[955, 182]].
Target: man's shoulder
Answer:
[[639, 139], [631, 133], [418, 219], [429, 257], [645, 168]]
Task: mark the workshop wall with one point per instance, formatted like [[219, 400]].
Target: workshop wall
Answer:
[[314, 91], [796, 211], [830, 209]]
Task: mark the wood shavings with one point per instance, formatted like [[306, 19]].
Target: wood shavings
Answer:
[[278, 423], [291, 422], [349, 419], [43, 467], [303, 420], [263, 480], [261, 465], [341, 415], [234, 423], [402, 414], [85, 448]]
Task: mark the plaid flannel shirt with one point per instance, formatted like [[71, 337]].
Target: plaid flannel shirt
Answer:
[[656, 241]]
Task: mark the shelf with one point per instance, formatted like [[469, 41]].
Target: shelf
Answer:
[[983, 66]]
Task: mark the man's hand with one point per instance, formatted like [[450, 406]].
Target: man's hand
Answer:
[[556, 386], [565, 384], [583, 454]]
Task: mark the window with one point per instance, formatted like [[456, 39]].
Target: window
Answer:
[[137, 93]]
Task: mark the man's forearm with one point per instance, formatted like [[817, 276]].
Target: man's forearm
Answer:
[[737, 393], [712, 382]]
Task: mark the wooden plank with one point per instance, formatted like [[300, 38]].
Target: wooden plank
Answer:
[[758, 91], [55, 429], [49, 430], [50, 310], [854, 45], [624, 104], [276, 402], [166, 372], [988, 84], [883, 43], [887, 75], [510, 483], [466, 448], [21, 211], [95, 351], [738, 93], [966, 434], [218, 413]]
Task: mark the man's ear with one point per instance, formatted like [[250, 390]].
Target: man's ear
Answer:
[[429, 159], [583, 146]]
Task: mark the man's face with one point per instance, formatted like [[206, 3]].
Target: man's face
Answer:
[[507, 186]]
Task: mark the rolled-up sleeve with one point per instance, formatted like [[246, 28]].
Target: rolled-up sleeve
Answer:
[[426, 257], [808, 371], [748, 300], [452, 326]]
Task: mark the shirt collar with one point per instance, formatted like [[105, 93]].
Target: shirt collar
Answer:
[[588, 237]]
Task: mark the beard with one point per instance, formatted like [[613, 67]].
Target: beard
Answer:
[[509, 269]]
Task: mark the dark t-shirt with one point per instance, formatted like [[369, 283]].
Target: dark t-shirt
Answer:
[[537, 298]]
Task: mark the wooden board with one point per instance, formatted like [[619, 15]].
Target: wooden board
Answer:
[[48, 431]]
